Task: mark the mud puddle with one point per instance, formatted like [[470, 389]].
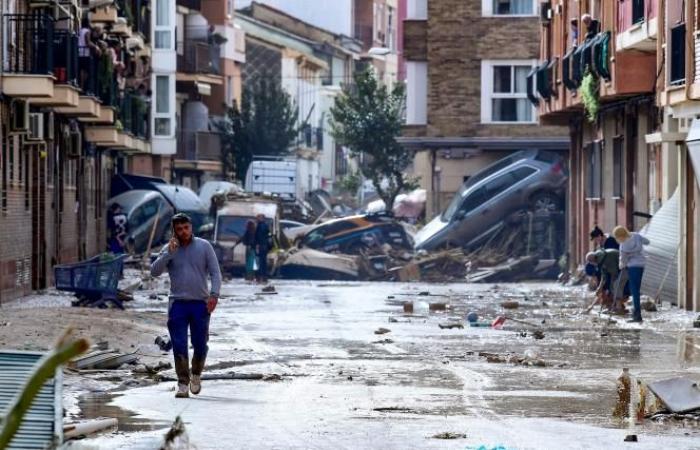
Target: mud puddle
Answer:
[[96, 405]]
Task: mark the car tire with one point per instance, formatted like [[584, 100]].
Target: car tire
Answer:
[[545, 202]]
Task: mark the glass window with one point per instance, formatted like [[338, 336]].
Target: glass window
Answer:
[[150, 209], [521, 173], [498, 185], [474, 200], [162, 94], [509, 102], [513, 7], [163, 33]]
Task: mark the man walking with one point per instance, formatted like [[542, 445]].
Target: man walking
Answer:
[[262, 246], [190, 261]]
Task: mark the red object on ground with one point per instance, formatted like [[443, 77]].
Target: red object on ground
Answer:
[[498, 322]]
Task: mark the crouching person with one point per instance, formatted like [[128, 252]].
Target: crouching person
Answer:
[[189, 261], [607, 264]]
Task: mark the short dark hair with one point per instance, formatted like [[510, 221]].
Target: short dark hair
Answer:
[[596, 232], [180, 218]]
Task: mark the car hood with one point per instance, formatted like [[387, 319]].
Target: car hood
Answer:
[[434, 227]]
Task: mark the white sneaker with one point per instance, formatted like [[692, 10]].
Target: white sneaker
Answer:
[[196, 384], [182, 391]]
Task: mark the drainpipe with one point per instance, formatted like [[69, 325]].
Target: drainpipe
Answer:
[[2, 68]]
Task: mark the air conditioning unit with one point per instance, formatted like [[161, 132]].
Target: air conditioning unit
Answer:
[[546, 11], [36, 127], [20, 116], [75, 145]]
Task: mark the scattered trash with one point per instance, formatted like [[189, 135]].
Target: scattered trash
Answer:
[[79, 430], [525, 360], [510, 305], [679, 395], [472, 317], [437, 307], [393, 320], [153, 369], [449, 435], [449, 326], [164, 343], [382, 331], [631, 438], [272, 377], [153, 297], [394, 409], [269, 289], [103, 359], [384, 341], [176, 437], [649, 306], [538, 334], [408, 307]]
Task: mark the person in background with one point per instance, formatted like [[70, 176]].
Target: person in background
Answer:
[[87, 49], [248, 241], [607, 263], [262, 246], [118, 226], [574, 32], [632, 258], [602, 241], [190, 261]]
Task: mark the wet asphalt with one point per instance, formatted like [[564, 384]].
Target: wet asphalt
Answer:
[[345, 387]]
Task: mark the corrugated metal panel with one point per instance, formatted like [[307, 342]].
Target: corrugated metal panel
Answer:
[[43, 424], [661, 270]]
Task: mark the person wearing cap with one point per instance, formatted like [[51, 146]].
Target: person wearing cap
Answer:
[[190, 261], [633, 260]]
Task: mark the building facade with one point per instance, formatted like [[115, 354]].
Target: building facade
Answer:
[[210, 51], [73, 111], [467, 89]]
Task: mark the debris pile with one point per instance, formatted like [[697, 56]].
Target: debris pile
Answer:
[[510, 358]]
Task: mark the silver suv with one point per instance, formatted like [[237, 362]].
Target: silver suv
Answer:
[[530, 179]]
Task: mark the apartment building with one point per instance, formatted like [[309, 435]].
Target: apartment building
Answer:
[[468, 66], [210, 51], [70, 116]]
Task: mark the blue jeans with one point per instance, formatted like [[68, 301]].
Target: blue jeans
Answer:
[[635, 283], [192, 315], [262, 264]]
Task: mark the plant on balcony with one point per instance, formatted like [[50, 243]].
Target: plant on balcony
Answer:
[[590, 96], [264, 124], [105, 73], [367, 118]]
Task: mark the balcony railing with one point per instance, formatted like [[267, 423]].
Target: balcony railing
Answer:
[[65, 49], [199, 146], [97, 77], [199, 57], [30, 48], [134, 114], [311, 137]]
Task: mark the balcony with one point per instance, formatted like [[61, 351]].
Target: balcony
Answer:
[[199, 57], [65, 71], [310, 138], [105, 14], [199, 146], [29, 55], [637, 25], [134, 114]]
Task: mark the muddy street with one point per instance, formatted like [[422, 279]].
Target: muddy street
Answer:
[[344, 386]]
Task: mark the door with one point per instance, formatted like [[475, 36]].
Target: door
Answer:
[[38, 179]]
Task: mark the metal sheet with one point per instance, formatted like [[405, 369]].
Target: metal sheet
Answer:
[[678, 394], [661, 270], [42, 426]]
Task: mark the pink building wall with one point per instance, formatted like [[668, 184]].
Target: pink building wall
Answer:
[[624, 12]]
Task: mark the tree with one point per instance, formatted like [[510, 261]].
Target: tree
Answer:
[[264, 124], [367, 118]]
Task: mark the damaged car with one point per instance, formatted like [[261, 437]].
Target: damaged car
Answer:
[[353, 235], [530, 179]]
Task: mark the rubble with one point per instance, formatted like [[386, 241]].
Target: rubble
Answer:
[[510, 305], [513, 359], [450, 326], [449, 435], [103, 360], [437, 307], [382, 331]]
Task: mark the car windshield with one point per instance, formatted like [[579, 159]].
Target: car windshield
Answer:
[[232, 228], [455, 204]]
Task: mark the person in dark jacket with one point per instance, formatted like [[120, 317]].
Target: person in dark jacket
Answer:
[[248, 241], [262, 246]]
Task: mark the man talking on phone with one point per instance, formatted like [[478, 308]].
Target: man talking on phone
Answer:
[[190, 261]]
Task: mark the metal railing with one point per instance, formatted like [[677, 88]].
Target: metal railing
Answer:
[[199, 57], [310, 137], [134, 114], [65, 50], [30, 46], [199, 146]]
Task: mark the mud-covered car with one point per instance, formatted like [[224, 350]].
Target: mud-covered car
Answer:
[[351, 235]]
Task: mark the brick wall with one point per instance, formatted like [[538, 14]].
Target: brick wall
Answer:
[[459, 38]]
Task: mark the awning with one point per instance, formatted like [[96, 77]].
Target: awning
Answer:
[[661, 269], [482, 143], [693, 142]]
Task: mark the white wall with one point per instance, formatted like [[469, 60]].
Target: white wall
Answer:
[[308, 178], [417, 10], [334, 15], [417, 93]]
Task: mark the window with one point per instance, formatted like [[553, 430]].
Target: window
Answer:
[[162, 119], [638, 11], [163, 32], [498, 185], [390, 31], [504, 92], [618, 166], [509, 7], [677, 68], [521, 173], [594, 179], [474, 200]]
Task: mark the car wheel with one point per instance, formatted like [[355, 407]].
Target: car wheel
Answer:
[[545, 202]]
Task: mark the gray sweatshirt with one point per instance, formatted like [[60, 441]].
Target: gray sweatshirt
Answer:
[[632, 251], [189, 268]]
